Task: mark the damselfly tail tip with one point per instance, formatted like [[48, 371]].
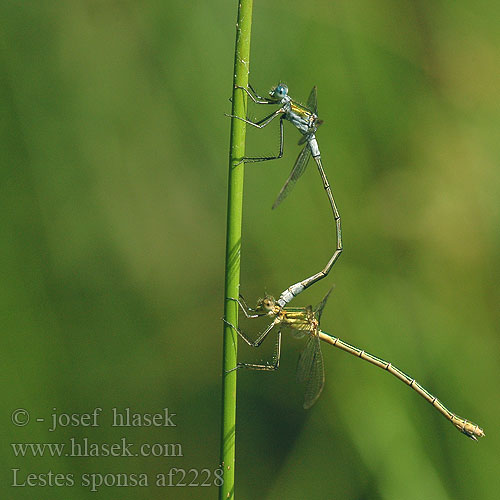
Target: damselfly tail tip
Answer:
[[471, 430]]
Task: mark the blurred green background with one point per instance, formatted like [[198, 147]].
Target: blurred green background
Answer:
[[113, 197]]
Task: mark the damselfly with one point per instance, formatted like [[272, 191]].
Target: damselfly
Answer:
[[305, 119], [310, 369]]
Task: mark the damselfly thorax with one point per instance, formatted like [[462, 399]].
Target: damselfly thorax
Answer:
[[306, 121]]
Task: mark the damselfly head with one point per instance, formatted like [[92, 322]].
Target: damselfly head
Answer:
[[266, 304], [279, 92]]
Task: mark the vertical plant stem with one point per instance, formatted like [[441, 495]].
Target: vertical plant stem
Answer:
[[233, 245]]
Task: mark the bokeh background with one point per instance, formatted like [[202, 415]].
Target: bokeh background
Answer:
[[114, 150]]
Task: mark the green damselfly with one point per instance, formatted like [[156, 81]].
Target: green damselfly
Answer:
[[310, 369]]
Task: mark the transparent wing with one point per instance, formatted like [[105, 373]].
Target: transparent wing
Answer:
[[312, 101], [310, 370], [303, 139], [305, 361], [318, 310], [297, 170]]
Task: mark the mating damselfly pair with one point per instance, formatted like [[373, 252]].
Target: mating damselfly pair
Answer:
[[303, 321]]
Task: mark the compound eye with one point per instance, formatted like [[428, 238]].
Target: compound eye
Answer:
[[282, 90]]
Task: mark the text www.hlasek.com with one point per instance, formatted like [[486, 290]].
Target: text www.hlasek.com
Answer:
[[85, 448]]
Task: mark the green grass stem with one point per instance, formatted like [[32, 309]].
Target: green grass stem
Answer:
[[233, 245]]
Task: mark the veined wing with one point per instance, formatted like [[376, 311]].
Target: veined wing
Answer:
[[312, 101], [303, 139], [310, 369], [297, 170], [318, 310]]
